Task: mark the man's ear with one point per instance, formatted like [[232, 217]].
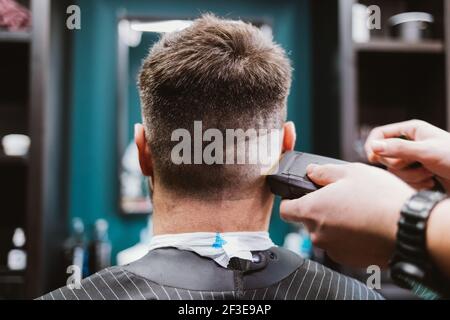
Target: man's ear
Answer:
[[289, 136], [145, 155]]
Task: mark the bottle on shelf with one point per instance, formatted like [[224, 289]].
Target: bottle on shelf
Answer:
[[100, 247], [17, 257], [75, 253], [299, 242]]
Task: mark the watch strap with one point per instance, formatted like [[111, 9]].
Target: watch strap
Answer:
[[411, 265]]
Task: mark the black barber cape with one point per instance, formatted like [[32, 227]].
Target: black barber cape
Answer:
[[169, 273]]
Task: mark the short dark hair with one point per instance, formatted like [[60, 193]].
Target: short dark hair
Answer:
[[226, 73]]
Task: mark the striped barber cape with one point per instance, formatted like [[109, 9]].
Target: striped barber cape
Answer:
[[170, 273]]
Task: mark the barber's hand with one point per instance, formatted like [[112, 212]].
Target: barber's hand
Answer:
[[425, 144], [354, 217]]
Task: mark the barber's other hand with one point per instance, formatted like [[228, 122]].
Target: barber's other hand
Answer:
[[426, 144], [354, 216]]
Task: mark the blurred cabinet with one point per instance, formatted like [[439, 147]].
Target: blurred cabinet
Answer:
[[15, 52], [386, 79], [32, 190]]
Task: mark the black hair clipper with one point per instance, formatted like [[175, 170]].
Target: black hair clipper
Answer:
[[290, 181]]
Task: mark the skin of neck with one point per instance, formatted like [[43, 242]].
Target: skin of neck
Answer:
[[174, 213]]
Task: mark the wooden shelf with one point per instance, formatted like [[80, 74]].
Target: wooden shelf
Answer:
[[5, 272], [12, 284], [426, 46], [15, 36], [13, 160]]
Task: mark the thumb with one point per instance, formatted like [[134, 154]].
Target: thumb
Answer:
[[398, 148], [325, 174], [299, 210]]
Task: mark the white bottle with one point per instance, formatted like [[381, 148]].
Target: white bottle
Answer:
[[17, 257]]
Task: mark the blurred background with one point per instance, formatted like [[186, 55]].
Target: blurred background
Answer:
[[70, 189]]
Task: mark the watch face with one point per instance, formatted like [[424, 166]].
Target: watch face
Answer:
[[405, 275], [417, 208], [407, 271], [417, 205]]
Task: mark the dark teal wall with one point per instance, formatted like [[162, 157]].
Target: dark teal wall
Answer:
[[93, 189]]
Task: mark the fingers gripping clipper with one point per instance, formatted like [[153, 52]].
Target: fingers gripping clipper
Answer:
[[290, 180]]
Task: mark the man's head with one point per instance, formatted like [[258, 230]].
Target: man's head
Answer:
[[226, 74]]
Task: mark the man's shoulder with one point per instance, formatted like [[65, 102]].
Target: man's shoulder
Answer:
[[113, 283], [314, 281]]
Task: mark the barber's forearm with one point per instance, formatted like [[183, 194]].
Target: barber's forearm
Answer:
[[438, 236]]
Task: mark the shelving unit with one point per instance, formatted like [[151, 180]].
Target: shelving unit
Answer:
[[394, 46], [11, 160], [33, 94], [15, 50], [388, 80], [15, 36]]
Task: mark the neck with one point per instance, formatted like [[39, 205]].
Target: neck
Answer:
[[175, 214]]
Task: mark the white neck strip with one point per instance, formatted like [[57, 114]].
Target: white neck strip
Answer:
[[220, 247]]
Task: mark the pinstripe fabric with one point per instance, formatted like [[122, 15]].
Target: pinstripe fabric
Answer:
[[311, 281]]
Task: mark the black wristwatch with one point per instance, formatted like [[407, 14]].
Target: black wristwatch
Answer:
[[411, 266]]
